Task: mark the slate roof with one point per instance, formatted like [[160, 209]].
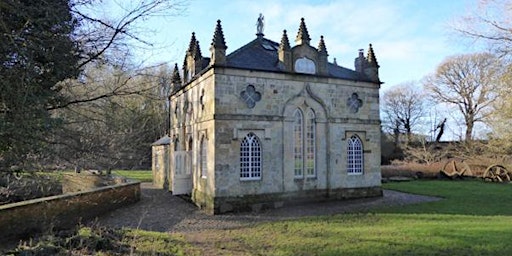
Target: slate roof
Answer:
[[261, 54], [162, 141]]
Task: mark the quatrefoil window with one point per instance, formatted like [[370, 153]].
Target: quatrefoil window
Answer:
[[250, 96], [354, 103]]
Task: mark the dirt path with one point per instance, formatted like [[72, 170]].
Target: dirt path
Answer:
[[159, 210]]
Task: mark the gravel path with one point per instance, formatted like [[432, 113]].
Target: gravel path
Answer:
[[158, 210]]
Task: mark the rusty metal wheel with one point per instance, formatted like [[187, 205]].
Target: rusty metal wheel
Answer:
[[496, 173], [457, 167]]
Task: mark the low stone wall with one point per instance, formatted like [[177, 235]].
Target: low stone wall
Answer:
[[21, 219]]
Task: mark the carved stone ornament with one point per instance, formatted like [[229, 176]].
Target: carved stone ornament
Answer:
[[250, 96], [354, 103]]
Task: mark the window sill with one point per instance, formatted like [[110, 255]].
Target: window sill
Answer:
[[307, 178], [250, 179]]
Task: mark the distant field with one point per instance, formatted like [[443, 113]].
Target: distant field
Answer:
[[140, 175]]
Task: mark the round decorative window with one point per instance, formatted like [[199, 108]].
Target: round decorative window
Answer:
[[305, 65]]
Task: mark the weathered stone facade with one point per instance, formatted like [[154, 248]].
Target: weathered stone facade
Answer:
[[160, 162], [269, 125]]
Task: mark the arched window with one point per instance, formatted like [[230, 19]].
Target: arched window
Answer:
[[304, 144], [190, 144], [298, 138], [310, 144], [250, 158], [176, 144], [203, 157], [355, 155]]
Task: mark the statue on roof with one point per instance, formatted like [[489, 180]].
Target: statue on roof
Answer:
[[260, 24]]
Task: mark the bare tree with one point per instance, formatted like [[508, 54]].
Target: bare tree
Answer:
[[121, 30], [109, 38], [469, 83], [403, 107], [117, 131], [490, 23]]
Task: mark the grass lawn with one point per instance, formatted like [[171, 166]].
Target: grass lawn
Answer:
[[140, 175], [474, 218], [460, 197]]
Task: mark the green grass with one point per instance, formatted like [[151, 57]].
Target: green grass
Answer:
[[460, 197], [140, 175], [379, 234], [102, 241], [474, 218], [157, 243]]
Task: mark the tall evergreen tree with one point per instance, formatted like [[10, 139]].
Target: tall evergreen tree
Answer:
[[36, 53]]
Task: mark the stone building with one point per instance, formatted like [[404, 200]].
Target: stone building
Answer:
[[272, 124]]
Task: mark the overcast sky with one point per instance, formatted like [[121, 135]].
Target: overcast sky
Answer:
[[410, 37]]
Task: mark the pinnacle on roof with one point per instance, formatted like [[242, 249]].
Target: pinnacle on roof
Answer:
[[285, 43], [176, 79], [192, 44], [372, 61], [197, 51], [321, 46], [302, 35], [218, 37]]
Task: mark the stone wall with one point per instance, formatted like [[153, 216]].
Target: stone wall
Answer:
[[212, 107], [260, 202], [22, 219]]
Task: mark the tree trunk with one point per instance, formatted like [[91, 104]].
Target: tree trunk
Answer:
[[469, 130]]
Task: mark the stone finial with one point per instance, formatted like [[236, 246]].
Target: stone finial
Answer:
[[197, 51], [192, 44], [218, 37], [321, 47], [335, 62], [218, 47], [175, 79], [372, 60], [372, 66], [284, 53], [322, 62], [176, 74], [285, 43], [302, 35]]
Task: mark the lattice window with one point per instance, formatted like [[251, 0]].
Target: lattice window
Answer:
[[355, 155], [304, 144], [298, 138], [250, 158], [204, 157], [310, 144]]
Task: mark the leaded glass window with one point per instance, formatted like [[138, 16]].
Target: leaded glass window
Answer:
[[354, 155], [204, 158], [298, 143], [310, 144], [250, 158], [304, 142]]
